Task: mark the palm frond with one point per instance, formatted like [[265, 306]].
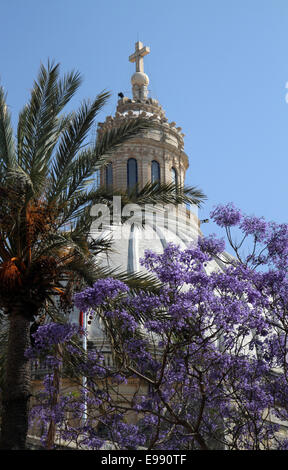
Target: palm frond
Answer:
[[71, 140], [80, 172], [166, 193], [138, 281], [38, 122], [66, 88], [110, 139], [7, 148]]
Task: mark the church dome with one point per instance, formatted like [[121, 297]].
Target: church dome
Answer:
[[140, 79], [157, 154], [130, 240]]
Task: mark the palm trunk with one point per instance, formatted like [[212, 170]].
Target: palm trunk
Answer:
[[16, 392]]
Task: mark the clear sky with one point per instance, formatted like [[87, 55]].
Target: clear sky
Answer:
[[219, 69]]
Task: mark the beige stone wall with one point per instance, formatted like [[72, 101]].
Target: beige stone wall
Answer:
[[164, 143], [146, 150]]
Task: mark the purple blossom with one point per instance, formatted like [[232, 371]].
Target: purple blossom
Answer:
[[101, 290], [226, 215], [211, 245], [51, 334], [254, 226]]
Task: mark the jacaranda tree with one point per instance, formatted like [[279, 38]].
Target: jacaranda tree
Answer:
[[46, 192], [208, 351]]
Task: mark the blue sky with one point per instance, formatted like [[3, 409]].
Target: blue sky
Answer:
[[219, 69]]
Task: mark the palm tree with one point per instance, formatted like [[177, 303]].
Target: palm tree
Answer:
[[46, 192]]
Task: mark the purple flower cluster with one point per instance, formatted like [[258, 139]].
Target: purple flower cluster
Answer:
[[278, 244], [211, 245], [51, 334], [254, 226], [101, 290], [226, 215]]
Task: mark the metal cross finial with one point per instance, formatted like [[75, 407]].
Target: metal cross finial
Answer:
[[138, 55]]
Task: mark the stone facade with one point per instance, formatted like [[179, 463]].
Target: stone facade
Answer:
[[163, 144]]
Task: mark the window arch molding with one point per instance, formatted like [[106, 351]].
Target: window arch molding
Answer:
[[97, 177], [132, 173], [155, 171], [109, 175], [174, 176]]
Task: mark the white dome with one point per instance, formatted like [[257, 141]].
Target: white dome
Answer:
[[129, 242], [140, 79]]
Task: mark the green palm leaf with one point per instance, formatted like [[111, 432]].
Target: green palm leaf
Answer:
[[7, 146]]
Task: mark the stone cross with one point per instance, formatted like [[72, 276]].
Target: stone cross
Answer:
[[138, 55]]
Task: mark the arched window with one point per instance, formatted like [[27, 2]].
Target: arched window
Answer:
[[97, 178], [109, 175], [174, 176], [155, 171], [132, 174]]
